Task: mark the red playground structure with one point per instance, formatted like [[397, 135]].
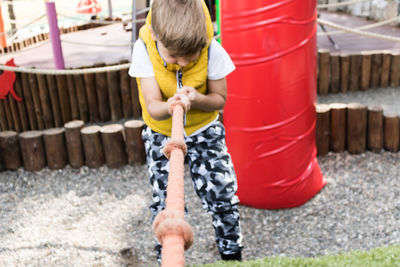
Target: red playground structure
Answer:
[[270, 112]]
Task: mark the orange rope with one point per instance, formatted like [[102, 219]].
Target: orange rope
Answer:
[[170, 228]]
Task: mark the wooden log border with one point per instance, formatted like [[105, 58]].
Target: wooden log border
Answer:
[[74, 144], [356, 128], [337, 129]]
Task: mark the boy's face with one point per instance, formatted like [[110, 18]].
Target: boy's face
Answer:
[[182, 61]]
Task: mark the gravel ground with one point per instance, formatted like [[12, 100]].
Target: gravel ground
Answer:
[[99, 217]]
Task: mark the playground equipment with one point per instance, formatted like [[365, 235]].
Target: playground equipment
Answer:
[[55, 35], [270, 125]]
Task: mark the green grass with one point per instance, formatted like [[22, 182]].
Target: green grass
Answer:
[[382, 257]]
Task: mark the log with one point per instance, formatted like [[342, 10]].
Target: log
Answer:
[[74, 143], [23, 117], [90, 86], [92, 146], [102, 95], [344, 72], [62, 88], [55, 103], [114, 93], [335, 72], [9, 118], [114, 145], [355, 72], [356, 128], [14, 113], [375, 128], [32, 150], [45, 101], [137, 110], [386, 63], [54, 142], [36, 100], [395, 70], [391, 122], [9, 148], [81, 97], [3, 119], [72, 97], [324, 72], [134, 143], [322, 129], [365, 79], [126, 93], [376, 70]]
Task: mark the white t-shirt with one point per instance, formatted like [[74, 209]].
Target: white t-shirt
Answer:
[[219, 62]]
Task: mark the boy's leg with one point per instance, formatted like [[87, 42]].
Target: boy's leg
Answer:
[[214, 180], [158, 169]]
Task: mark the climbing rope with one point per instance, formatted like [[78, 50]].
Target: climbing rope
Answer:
[[363, 33], [322, 6], [170, 228], [365, 27]]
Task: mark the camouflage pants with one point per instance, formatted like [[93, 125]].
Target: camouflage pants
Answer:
[[213, 178]]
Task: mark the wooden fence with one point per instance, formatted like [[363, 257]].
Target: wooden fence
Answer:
[[50, 101]]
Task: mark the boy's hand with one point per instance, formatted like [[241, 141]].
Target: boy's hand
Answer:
[[178, 99], [189, 91]]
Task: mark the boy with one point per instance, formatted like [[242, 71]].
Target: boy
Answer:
[[176, 60]]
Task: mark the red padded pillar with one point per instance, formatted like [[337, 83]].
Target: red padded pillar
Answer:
[[270, 112]]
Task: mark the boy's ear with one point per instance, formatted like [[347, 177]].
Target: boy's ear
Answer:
[[153, 35]]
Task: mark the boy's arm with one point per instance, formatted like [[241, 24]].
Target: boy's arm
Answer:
[[213, 100], [157, 108]]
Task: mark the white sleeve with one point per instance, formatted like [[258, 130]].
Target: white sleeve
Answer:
[[219, 62], [141, 65]]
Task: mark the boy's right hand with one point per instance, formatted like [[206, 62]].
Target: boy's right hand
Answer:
[[178, 99]]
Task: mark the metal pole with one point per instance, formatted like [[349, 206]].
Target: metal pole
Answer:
[[110, 13], [55, 36], [133, 23]]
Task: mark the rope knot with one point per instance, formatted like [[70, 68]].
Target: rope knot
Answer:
[[174, 144], [168, 222]]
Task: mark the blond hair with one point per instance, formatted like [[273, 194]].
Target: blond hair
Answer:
[[179, 25]]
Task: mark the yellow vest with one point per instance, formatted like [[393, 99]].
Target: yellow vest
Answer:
[[194, 75]]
